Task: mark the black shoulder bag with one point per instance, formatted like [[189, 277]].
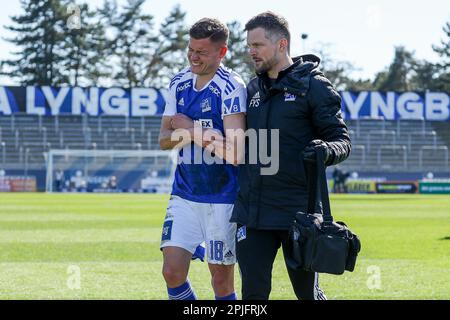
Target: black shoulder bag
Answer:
[[316, 242]]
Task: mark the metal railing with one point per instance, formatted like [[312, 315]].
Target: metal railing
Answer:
[[87, 137], [142, 125], [61, 139], [40, 122], [383, 134], [422, 134], [400, 121], [105, 139], [133, 136], [13, 121], [56, 122], [434, 149], [363, 152], [99, 124], [16, 139], [3, 146], [393, 148], [149, 140], [371, 119], [44, 135]]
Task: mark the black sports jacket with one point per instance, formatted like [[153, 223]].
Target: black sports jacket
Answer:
[[304, 106]]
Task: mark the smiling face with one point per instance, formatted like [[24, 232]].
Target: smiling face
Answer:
[[263, 51], [205, 56]]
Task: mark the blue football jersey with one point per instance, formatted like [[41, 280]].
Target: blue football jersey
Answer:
[[195, 179]]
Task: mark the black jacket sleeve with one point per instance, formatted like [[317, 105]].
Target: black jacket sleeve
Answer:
[[325, 105]]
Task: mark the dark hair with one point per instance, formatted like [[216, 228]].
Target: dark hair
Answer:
[[272, 23], [213, 29]]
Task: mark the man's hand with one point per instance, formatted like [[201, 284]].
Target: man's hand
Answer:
[[309, 153], [212, 139], [181, 121]]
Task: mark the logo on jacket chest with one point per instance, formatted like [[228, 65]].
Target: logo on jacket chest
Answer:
[[289, 97], [254, 101]]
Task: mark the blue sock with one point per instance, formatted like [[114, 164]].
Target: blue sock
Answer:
[[183, 292], [232, 296]]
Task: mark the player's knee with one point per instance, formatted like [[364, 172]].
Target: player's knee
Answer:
[[223, 281], [174, 277]]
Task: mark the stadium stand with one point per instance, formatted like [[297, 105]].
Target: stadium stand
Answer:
[[400, 145], [25, 138], [378, 145]]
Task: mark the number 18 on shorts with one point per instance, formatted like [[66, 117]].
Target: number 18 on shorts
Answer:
[[189, 224]]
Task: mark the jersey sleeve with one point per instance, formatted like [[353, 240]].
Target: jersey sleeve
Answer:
[[171, 101], [235, 101]]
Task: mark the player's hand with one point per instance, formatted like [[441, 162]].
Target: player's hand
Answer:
[[181, 121], [309, 153], [212, 138]]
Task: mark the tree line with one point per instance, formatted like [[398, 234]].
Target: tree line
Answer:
[[59, 43]]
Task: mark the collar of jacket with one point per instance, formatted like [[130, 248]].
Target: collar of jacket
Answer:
[[295, 78]]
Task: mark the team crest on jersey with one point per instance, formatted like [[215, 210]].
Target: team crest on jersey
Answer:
[[206, 105], [254, 102], [289, 96]]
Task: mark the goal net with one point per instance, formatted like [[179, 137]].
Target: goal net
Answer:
[[110, 170]]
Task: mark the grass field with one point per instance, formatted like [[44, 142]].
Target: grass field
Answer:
[[103, 246]]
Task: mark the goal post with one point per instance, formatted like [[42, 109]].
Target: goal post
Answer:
[[69, 170]]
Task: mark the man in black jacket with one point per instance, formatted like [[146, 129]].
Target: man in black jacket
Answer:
[[292, 96]]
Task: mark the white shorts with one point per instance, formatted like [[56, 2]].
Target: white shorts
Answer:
[[189, 224]]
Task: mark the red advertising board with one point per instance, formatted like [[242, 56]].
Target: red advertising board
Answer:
[[18, 184]]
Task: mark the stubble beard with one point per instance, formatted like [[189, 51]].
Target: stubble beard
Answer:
[[267, 65]]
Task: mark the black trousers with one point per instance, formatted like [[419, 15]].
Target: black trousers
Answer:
[[256, 254]]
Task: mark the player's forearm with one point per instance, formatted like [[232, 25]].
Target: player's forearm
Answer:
[[174, 139], [233, 144], [229, 150]]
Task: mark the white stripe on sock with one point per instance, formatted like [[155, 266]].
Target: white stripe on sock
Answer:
[[182, 295]]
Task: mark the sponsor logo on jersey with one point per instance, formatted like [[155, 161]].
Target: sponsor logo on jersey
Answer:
[[289, 96], [206, 105], [254, 102], [232, 105], [206, 123], [181, 102], [184, 86], [214, 90]]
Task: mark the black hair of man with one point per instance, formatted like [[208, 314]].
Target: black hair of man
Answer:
[[275, 26], [210, 28]]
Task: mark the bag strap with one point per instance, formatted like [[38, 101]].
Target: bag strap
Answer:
[[317, 187], [312, 187]]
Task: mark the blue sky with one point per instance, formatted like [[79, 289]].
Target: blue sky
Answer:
[[361, 32]]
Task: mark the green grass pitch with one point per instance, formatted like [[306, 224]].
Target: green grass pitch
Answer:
[[104, 246]]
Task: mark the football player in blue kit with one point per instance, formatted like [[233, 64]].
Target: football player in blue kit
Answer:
[[204, 114]]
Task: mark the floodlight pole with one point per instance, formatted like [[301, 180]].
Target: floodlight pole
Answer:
[[304, 36]]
